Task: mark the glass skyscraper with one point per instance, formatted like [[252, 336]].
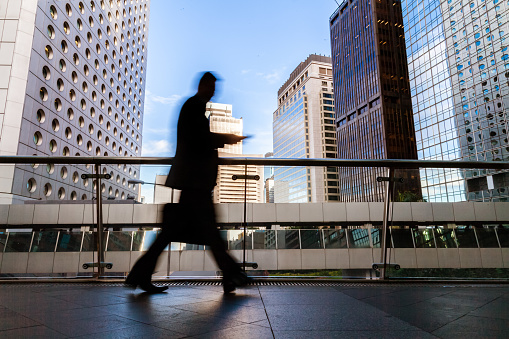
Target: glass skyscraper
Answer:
[[459, 72], [372, 97], [303, 127]]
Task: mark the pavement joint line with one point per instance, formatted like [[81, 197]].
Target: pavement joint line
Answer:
[[266, 314]]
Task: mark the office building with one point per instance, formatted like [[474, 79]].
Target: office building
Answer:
[[303, 127], [459, 70], [227, 189], [268, 176], [372, 97], [72, 83]]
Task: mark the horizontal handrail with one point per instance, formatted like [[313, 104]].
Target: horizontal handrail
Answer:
[[389, 163]]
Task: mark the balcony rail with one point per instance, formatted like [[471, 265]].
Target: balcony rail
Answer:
[[387, 238]]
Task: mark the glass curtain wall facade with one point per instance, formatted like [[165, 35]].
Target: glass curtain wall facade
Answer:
[[458, 66], [303, 127], [373, 106]]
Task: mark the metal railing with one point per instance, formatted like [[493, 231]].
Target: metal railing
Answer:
[[390, 164]]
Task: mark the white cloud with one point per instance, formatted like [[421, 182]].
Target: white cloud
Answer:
[[171, 100], [151, 98], [272, 77], [156, 148], [245, 71]]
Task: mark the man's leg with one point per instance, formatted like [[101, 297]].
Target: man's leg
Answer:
[[232, 274], [141, 273]]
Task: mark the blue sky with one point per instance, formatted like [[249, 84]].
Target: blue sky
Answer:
[[253, 46]]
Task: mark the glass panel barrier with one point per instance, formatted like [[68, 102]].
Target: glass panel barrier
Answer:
[[288, 239], [119, 241], [44, 241], [466, 237], [311, 239], [69, 241], [90, 241], [402, 238], [487, 237], [376, 236], [143, 239], [236, 240], [264, 239], [335, 238], [503, 236], [358, 238], [445, 238], [424, 238], [3, 239], [18, 242]]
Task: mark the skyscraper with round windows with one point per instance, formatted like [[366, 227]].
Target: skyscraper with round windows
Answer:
[[72, 83]]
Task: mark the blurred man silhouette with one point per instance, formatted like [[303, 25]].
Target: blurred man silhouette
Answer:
[[194, 172]]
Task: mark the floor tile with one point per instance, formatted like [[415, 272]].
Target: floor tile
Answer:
[[16, 321], [93, 325], [479, 327], [498, 308], [32, 332], [352, 334], [138, 331], [243, 331]]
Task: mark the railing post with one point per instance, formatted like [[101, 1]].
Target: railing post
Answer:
[[245, 220], [99, 207], [385, 230]]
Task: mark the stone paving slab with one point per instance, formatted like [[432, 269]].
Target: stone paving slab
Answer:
[[109, 310]]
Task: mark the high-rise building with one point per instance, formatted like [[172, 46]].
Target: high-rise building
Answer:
[[72, 82], [371, 91], [268, 177], [227, 189], [303, 127], [458, 62]]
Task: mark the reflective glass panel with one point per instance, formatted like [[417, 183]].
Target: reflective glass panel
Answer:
[[311, 239], [69, 241], [288, 239], [236, 240], [424, 238], [335, 238], [18, 242], [445, 238], [487, 237], [119, 241], [143, 239], [466, 237], [44, 241], [3, 238], [264, 239], [376, 236], [358, 238], [503, 236], [402, 238], [90, 241]]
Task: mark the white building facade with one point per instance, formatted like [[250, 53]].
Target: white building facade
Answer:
[[228, 190], [304, 127], [72, 83]]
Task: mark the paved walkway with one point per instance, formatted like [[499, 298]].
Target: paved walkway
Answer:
[[259, 311]]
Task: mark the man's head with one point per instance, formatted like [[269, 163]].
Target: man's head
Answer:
[[207, 86]]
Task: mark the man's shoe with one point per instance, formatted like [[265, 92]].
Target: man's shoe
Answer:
[[134, 281], [151, 288], [230, 283]]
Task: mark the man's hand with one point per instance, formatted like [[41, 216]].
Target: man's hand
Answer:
[[233, 139]]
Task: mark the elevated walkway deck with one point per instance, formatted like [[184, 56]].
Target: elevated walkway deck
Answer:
[[263, 310]]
